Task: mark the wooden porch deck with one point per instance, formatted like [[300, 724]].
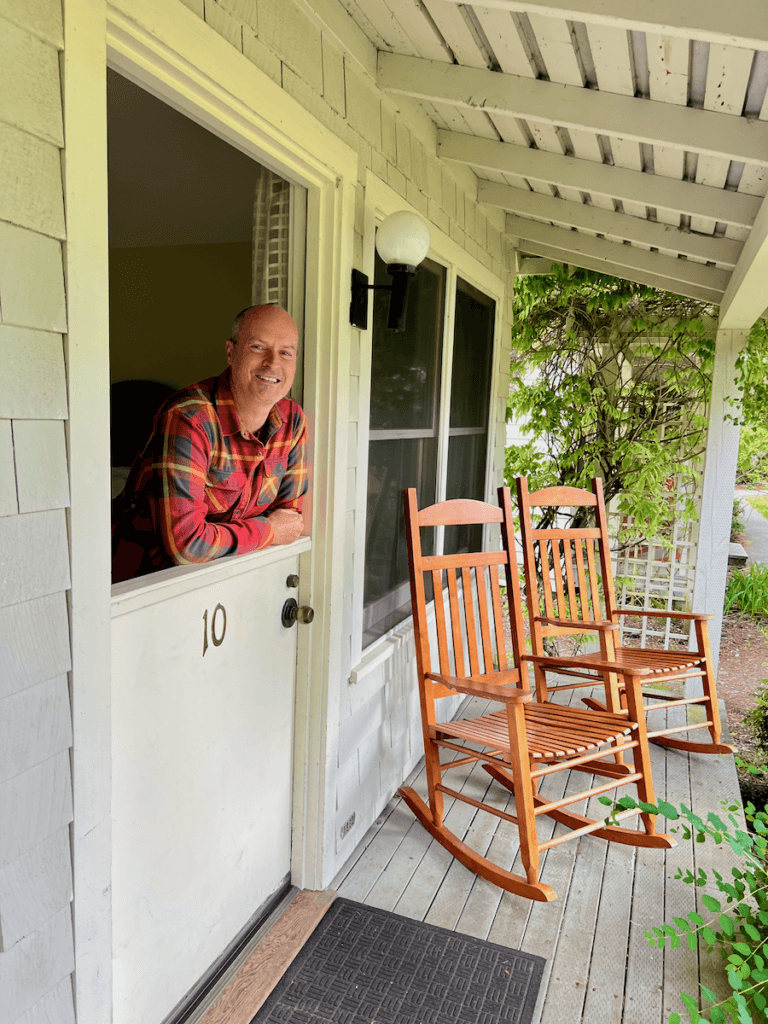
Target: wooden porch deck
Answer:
[[600, 969]]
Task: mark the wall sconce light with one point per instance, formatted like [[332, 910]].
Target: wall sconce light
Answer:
[[402, 241]]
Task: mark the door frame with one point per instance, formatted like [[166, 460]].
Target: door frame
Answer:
[[167, 50]]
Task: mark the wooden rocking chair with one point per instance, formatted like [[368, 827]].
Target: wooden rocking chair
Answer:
[[525, 741], [574, 578]]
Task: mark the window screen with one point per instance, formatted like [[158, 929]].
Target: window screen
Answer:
[[404, 447], [470, 394]]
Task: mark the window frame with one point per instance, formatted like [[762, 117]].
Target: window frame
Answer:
[[380, 201]]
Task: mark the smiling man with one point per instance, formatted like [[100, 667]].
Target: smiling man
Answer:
[[224, 470]]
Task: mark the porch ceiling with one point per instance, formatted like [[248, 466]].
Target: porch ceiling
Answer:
[[632, 143]]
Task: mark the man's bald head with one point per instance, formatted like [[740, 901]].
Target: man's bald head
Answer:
[[263, 315]]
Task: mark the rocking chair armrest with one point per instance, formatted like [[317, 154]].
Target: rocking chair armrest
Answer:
[[603, 626], [658, 614], [554, 662], [509, 693]]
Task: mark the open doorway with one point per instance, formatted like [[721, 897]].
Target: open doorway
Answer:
[[197, 231]]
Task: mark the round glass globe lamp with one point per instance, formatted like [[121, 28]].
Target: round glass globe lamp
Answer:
[[402, 239]]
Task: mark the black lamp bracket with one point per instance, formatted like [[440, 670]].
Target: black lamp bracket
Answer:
[[358, 309]]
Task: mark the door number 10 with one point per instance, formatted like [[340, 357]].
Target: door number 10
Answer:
[[218, 627]]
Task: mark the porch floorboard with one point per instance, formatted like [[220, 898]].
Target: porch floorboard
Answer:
[[599, 965]]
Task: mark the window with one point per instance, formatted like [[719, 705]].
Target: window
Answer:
[[406, 448]]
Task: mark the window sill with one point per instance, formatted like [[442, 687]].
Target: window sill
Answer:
[[131, 595]]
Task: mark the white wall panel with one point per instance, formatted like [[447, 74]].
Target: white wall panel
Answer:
[[35, 724], [30, 97], [34, 888], [41, 17], [35, 557], [294, 37], [34, 643], [33, 806], [56, 1007], [31, 280], [30, 182], [42, 480], [8, 501], [35, 965], [32, 380]]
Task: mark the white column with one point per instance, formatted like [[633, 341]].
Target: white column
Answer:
[[719, 480]]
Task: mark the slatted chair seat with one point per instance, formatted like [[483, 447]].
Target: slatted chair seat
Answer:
[[653, 661], [568, 571], [525, 741], [552, 732]]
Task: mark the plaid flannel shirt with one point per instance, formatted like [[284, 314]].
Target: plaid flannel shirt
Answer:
[[202, 485]]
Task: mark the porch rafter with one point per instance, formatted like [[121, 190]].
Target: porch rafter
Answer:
[[613, 182], [676, 271], [601, 260], [568, 106], [744, 24], [724, 251]]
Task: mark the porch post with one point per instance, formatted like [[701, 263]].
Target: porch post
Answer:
[[717, 492]]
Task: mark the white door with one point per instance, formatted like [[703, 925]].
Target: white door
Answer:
[[203, 703]]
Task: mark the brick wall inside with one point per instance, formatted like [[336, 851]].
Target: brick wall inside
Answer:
[[36, 947]]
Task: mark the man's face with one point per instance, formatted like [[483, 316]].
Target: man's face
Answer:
[[263, 359]]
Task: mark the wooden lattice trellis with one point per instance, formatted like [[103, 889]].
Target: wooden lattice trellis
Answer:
[[656, 574]]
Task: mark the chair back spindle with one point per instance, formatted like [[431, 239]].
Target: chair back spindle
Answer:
[[468, 636]]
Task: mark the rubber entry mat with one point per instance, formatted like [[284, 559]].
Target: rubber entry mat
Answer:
[[363, 965]]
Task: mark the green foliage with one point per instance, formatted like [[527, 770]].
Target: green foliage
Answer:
[[760, 503], [612, 380], [752, 377], [753, 454], [757, 717], [738, 927], [747, 590], [737, 527]]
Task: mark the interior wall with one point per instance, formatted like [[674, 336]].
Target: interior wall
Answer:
[[171, 308]]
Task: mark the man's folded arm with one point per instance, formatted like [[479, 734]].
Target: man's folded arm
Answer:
[[295, 480], [178, 506]]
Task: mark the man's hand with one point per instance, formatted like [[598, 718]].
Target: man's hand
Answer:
[[286, 525]]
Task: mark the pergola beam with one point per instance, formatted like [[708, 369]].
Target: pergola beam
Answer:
[[568, 106], [724, 251], [676, 273], [652, 190], [746, 296], [743, 24]]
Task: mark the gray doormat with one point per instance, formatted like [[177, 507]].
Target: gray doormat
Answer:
[[363, 965]]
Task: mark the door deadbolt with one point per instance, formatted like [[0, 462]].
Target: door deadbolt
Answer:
[[293, 612]]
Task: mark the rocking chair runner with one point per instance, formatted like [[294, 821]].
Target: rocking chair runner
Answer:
[[575, 579], [525, 741]]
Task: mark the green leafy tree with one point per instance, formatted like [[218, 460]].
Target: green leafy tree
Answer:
[[752, 377], [612, 379]]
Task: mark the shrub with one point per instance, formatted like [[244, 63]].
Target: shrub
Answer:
[[757, 717], [747, 590], [753, 455], [737, 527], [739, 929]]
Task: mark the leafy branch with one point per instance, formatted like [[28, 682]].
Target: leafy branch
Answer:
[[740, 929], [612, 379]]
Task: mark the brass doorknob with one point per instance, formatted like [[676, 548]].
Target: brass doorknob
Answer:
[[293, 612]]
